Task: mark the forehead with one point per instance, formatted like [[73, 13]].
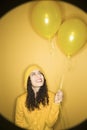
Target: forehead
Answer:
[[35, 71]]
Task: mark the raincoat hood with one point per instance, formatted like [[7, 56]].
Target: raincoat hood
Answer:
[[28, 72]]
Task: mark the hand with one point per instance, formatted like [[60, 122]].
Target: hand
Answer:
[[59, 96]]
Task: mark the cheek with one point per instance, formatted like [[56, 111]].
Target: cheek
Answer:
[[32, 80], [42, 77]]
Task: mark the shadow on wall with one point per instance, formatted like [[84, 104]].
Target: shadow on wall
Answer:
[[5, 124]]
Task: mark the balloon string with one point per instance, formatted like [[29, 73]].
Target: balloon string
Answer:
[[63, 124], [62, 118], [69, 66], [61, 82], [52, 46], [69, 63]]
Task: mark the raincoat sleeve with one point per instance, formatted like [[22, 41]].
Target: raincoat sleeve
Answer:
[[19, 115], [53, 113]]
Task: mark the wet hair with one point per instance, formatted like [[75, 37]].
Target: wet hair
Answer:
[[42, 96]]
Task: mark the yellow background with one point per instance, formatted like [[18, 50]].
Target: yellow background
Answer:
[[21, 46]]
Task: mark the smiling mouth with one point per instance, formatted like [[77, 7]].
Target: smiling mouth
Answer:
[[39, 80]]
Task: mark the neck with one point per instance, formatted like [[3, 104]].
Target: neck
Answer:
[[35, 89]]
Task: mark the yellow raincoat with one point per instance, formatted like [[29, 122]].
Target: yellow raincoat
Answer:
[[39, 119]]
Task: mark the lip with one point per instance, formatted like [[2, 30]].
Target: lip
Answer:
[[39, 80]]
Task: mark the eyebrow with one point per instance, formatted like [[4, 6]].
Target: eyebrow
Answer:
[[38, 72]]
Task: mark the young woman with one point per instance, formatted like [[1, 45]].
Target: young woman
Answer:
[[37, 108]]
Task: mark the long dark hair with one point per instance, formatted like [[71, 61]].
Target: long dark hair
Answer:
[[42, 96]]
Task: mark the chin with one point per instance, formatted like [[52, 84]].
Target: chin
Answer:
[[39, 85]]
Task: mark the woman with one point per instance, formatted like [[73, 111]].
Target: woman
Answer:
[[37, 108]]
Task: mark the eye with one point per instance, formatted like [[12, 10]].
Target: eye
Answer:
[[40, 73], [32, 74]]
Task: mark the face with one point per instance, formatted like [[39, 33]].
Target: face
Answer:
[[36, 78]]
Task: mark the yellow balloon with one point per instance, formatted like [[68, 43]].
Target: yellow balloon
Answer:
[[72, 36], [46, 18]]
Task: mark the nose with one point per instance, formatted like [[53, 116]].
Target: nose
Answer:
[[38, 75]]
